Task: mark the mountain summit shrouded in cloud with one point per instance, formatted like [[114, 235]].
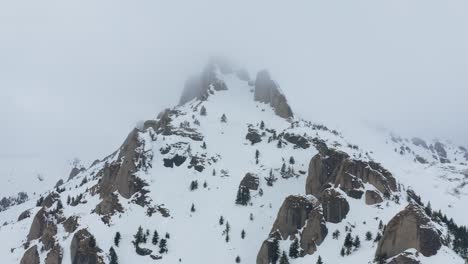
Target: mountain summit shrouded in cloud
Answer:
[[232, 174]]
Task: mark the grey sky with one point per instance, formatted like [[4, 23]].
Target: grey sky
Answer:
[[75, 76]]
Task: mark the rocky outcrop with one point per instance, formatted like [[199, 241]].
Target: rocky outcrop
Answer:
[[54, 256], [335, 206], [250, 181], [420, 142], [410, 228], [373, 197], [31, 256], [74, 172], [440, 149], [38, 225], [298, 140], [83, 249], [120, 175], [298, 216], [267, 91], [335, 168], [50, 199], [253, 136], [71, 224], [24, 215]]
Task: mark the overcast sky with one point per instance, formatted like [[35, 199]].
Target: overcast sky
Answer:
[[75, 76]]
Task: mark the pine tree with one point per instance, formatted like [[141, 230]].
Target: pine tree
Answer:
[[117, 239], [342, 252], [348, 243], [380, 225], [238, 259], [428, 209], [221, 220], [68, 200], [203, 111], [155, 238], [274, 247], [167, 236], [214, 172], [224, 118], [294, 249], [357, 242], [203, 145], [205, 185], [319, 260], [291, 160], [378, 237], [283, 169], [163, 246], [284, 259], [113, 259], [257, 155], [243, 196], [192, 209], [251, 217], [260, 192], [280, 144], [243, 234], [138, 236], [262, 125], [271, 178], [368, 236]]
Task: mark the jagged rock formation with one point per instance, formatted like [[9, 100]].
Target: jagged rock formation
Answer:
[[71, 224], [24, 215], [267, 91], [334, 168], [440, 150], [334, 204], [38, 225], [31, 256], [250, 181], [83, 249], [410, 228], [301, 216], [50, 199], [74, 172]]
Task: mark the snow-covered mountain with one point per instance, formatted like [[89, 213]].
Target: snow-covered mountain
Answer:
[[232, 175]]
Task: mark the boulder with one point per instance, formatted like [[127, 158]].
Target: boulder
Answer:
[[250, 181], [373, 197], [50, 199], [176, 160], [108, 207], [335, 206], [54, 256], [31, 256], [267, 91], [83, 249], [410, 228]]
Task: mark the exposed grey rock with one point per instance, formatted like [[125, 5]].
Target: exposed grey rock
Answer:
[[335, 206], [410, 228], [24, 215], [373, 197], [175, 160], [38, 225], [108, 207], [301, 215], [419, 142], [59, 183], [250, 181], [71, 224], [31, 256], [253, 136], [298, 140], [440, 149], [50, 199], [335, 168], [74, 172], [83, 249], [55, 255], [267, 91]]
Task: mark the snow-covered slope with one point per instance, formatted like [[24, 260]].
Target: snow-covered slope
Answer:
[[183, 174]]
